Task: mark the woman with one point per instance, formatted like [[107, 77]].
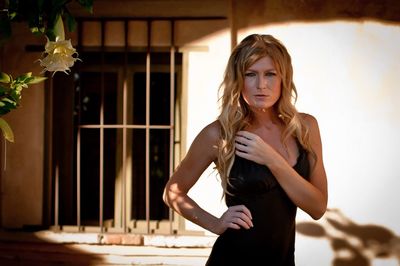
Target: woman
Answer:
[[268, 155]]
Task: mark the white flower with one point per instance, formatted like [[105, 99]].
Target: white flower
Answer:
[[58, 56]]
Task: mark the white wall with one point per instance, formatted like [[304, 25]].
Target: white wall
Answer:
[[347, 75], [205, 72]]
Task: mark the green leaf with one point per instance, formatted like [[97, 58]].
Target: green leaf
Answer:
[[27, 81], [12, 15], [10, 101], [4, 78], [17, 91], [3, 90], [22, 78], [36, 80], [35, 30], [87, 4], [71, 22], [6, 106], [7, 131], [59, 28]]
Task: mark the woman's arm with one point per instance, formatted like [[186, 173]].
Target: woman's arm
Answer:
[[312, 195], [202, 153]]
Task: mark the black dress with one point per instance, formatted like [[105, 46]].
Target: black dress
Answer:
[[271, 240]]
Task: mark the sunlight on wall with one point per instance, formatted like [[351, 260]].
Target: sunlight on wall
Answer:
[[205, 72], [347, 76]]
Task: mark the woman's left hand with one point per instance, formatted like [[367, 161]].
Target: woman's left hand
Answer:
[[251, 147]]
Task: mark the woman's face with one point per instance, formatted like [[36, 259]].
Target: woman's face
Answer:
[[262, 84]]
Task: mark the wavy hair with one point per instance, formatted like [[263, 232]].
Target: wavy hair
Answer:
[[235, 113]]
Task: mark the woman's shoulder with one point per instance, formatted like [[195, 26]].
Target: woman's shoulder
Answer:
[[312, 124], [207, 140], [309, 119], [212, 131]]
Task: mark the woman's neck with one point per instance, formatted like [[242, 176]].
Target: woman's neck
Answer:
[[267, 117]]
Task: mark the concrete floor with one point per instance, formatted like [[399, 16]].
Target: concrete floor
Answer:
[[20, 248]]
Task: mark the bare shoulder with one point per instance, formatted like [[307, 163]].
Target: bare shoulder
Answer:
[[212, 131], [310, 121], [206, 142], [312, 124]]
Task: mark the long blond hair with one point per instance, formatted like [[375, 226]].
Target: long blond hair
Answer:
[[235, 113]]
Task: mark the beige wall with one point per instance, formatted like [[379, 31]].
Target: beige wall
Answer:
[[22, 181]]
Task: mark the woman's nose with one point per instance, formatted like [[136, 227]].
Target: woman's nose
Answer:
[[262, 82]]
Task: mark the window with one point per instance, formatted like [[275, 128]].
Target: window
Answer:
[[113, 125], [113, 140]]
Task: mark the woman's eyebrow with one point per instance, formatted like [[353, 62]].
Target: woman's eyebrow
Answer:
[[266, 70]]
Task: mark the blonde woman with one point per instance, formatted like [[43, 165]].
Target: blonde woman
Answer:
[[268, 155]]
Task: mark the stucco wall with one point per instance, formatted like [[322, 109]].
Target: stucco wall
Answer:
[[22, 181]]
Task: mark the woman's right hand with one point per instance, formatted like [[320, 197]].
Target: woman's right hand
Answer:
[[234, 217]]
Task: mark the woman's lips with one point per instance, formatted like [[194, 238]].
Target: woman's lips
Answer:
[[261, 96]]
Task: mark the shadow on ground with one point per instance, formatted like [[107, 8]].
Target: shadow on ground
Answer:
[[24, 248], [353, 244]]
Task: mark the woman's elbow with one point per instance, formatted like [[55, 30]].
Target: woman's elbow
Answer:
[[166, 197], [318, 213]]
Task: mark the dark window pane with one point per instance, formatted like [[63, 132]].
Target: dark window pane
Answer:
[[110, 98], [159, 172], [139, 98], [159, 98], [110, 171], [90, 174], [90, 185], [138, 174], [90, 99], [64, 146]]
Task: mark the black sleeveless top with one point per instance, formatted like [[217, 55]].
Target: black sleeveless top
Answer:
[[271, 240]]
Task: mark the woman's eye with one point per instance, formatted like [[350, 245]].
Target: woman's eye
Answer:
[[249, 74], [270, 74]]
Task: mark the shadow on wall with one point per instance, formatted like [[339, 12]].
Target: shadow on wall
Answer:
[[352, 243]]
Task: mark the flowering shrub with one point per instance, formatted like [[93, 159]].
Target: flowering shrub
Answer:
[[10, 96], [59, 56], [42, 17]]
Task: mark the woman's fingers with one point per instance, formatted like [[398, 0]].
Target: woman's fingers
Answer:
[[244, 140], [242, 208], [242, 223], [242, 144], [247, 135], [239, 217]]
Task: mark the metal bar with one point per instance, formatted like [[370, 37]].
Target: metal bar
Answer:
[[147, 126], [78, 141], [48, 186], [101, 192], [127, 126], [171, 111], [124, 129], [78, 177], [56, 195]]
